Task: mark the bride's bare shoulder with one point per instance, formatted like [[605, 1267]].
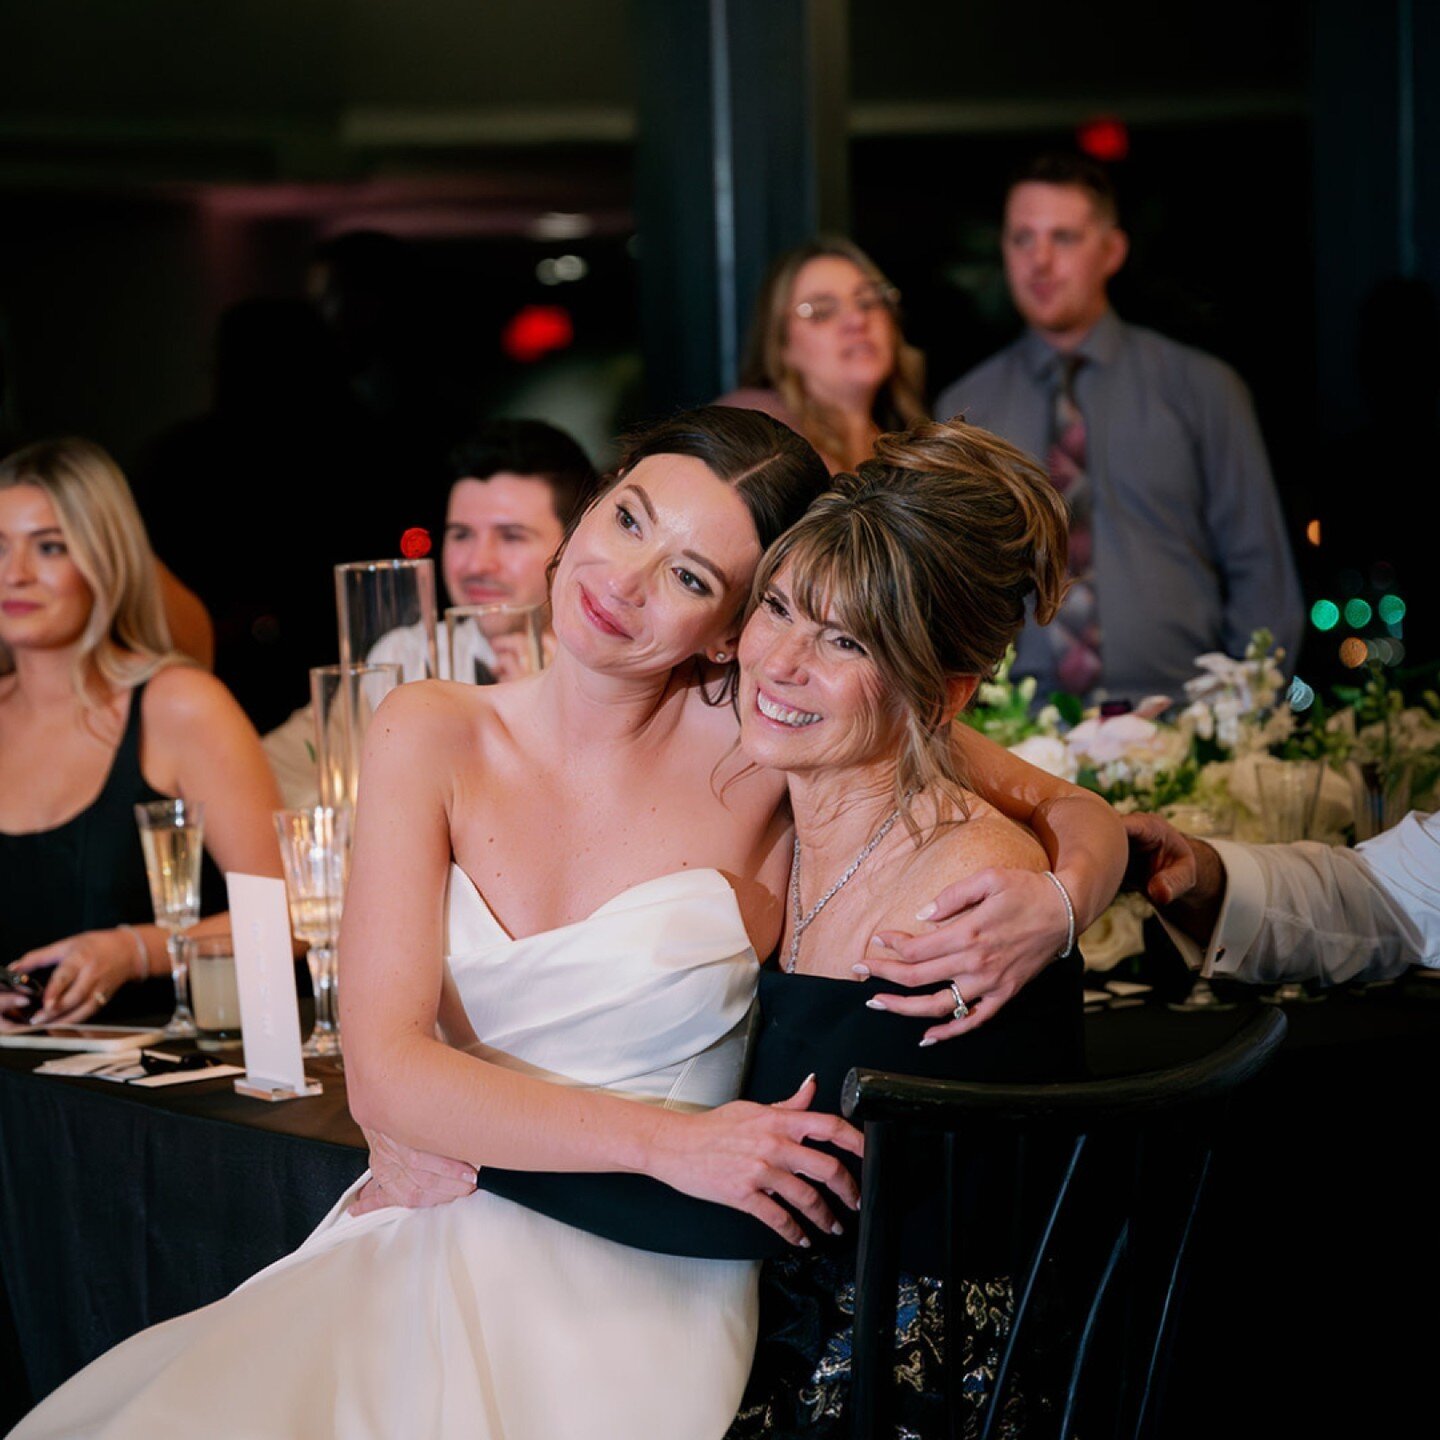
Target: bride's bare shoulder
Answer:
[[430, 720]]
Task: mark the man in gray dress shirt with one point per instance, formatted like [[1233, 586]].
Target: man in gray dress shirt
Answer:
[[1187, 545]]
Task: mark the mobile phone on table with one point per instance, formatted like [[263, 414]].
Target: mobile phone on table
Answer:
[[29, 985]]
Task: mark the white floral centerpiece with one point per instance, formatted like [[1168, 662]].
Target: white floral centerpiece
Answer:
[[1198, 763]]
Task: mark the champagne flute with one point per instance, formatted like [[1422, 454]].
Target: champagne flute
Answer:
[[172, 836], [1210, 822], [1289, 793], [315, 851]]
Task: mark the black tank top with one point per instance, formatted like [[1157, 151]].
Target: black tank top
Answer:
[[89, 873]]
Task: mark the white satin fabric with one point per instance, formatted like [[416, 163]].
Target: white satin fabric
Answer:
[[479, 1319]]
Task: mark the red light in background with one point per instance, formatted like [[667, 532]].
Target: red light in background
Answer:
[[1104, 138], [415, 543], [535, 330]]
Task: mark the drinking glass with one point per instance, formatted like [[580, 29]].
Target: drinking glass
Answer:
[[172, 837], [1207, 822], [315, 851], [1289, 793], [488, 643], [386, 610], [1380, 794], [343, 700], [214, 990]]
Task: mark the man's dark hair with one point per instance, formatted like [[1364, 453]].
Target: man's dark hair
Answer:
[[1061, 167], [530, 448]]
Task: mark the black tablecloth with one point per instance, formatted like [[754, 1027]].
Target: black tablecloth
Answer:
[[120, 1208]]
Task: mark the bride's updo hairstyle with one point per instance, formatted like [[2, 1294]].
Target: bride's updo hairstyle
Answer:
[[927, 556], [126, 639]]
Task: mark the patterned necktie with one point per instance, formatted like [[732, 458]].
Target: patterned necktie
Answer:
[[1075, 631]]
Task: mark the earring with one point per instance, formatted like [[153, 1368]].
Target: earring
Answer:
[[721, 657]]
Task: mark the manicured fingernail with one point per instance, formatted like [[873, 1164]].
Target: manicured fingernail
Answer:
[[861, 970], [877, 941], [807, 1079], [804, 1242], [925, 911], [926, 1043], [471, 1178], [876, 1004], [837, 1228]]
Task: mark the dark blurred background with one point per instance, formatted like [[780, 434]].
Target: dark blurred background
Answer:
[[586, 192]]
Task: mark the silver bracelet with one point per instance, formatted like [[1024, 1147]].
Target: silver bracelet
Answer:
[[142, 955], [1054, 879]]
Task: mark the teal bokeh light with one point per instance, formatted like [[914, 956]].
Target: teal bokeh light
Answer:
[[1324, 614], [1357, 613], [1392, 609]]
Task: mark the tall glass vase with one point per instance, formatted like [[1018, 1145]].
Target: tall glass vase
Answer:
[[387, 614], [343, 701]]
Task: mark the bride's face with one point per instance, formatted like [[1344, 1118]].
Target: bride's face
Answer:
[[657, 570], [811, 698]]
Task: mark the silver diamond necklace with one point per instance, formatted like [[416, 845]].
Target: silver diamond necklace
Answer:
[[802, 922]]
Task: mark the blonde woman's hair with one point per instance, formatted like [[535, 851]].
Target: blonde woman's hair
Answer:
[[928, 556], [899, 401], [126, 639]]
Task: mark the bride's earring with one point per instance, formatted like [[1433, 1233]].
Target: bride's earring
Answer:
[[721, 657]]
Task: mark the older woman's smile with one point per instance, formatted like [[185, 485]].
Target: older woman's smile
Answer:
[[783, 714]]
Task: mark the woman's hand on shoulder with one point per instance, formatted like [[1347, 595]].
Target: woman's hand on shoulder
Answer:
[[752, 1157], [412, 1179], [990, 933]]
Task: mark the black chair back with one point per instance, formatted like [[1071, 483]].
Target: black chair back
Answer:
[[1103, 1180]]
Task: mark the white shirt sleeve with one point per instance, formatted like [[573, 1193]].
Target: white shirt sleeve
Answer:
[[1317, 912]]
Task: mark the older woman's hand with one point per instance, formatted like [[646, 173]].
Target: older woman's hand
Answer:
[[992, 934], [414, 1179], [89, 969]]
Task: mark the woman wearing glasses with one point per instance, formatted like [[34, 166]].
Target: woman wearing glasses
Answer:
[[826, 356]]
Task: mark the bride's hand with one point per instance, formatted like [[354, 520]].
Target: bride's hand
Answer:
[[413, 1179], [752, 1157], [994, 933]]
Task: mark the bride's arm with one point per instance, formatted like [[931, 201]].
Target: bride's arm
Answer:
[[999, 928], [412, 1087]]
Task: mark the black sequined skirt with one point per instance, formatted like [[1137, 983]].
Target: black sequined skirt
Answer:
[[800, 1384]]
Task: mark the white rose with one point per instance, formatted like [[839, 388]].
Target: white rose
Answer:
[[1048, 753], [1115, 936]]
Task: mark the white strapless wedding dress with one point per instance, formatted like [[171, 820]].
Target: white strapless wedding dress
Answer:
[[480, 1319]]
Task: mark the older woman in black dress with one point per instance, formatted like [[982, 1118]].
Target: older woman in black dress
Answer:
[[876, 617]]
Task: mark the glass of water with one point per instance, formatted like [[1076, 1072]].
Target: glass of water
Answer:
[[172, 836]]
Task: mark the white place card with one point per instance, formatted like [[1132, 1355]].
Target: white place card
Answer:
[[265, 978]]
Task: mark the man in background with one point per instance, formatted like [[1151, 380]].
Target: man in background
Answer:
[[1178, 544], [515, 486]]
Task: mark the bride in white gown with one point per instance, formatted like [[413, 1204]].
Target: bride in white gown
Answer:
[[599, 941], [559, 891]]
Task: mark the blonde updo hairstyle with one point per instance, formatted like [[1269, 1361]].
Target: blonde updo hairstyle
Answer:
[[928, 556], [900, 399], [126, 639]]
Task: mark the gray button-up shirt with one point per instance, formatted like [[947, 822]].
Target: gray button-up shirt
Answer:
[[1190, 546]]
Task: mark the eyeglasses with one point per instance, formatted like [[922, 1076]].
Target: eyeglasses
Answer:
[[825, 308]]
